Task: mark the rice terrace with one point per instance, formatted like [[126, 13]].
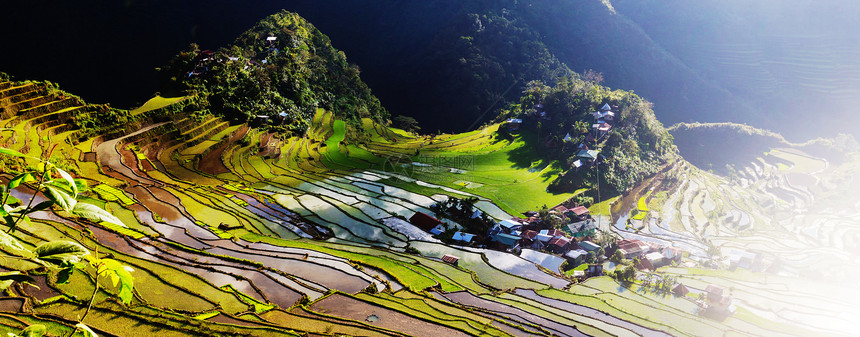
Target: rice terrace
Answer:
[[265, 192]]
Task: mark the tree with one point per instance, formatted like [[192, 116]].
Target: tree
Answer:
[[406, 123], [616, 257]]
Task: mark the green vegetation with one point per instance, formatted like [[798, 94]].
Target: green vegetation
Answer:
[[233, 230], [283, 67]]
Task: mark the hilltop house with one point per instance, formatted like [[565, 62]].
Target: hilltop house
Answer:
[[588, 155], [513, 124], [601, 129], [605, 114], [450, 259]]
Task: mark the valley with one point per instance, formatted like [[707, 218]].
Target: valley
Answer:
[[301, 242]]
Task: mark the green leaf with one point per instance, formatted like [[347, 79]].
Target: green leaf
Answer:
[[8, 241], [61, 198], [5, 284], [68, 179], [119, 275], [35, 330], [96, 214], [64, 275], [10, 152], [12, 200], [86, 330], [7, 278], [61, 253], [41, 206], [19, 179], [16, 276], [81, 185], [10, 221]]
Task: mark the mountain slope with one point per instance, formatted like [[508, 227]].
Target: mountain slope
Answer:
[[283, 67]]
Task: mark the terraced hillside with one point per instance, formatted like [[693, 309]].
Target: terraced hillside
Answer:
[[236, 231]]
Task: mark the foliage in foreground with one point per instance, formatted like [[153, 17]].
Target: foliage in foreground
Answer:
[[61, 256]]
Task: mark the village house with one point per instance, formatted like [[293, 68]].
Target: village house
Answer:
[[644, 265], [558, 244], [450, 259], [578, 213], [513, 124], [594, 270], [510, 225], [717, 300], [656, 259], [424, 221], [552, 232], [576, 164], [588, 155], [259, 120], [605, 113], [506, 241], [601, 129], [583, 228], [464, 238], [672, 254], [438, 230], [680, 290], [576, 257], [632, 248], [528, 236], [589, 246], [543, 237]]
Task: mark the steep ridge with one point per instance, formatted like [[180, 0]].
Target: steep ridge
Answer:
[[283, 68]]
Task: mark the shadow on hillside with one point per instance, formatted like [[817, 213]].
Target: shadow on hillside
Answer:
[[526, 156], [717, 147]]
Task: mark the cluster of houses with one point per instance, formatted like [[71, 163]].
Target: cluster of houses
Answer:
[[529, 235], [585, 153], [533, 240], [204, 58]]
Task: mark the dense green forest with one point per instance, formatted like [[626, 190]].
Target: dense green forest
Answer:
[[283, 68], [636, 146]]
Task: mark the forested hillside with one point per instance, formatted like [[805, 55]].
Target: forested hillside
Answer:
[[283, 68]]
